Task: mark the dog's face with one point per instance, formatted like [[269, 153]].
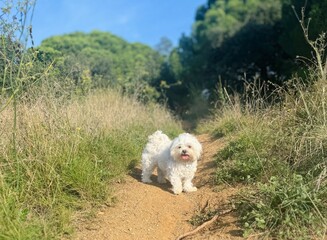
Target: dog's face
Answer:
[[185, 148]]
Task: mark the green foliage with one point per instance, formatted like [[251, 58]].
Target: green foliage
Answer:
[[238, 41], [96, 161], [287, 208], [164, 47], [75, 170], [15, 220], [223, 19], [246, 158], [284, 156], [292, 39], [230, 41], [109, 60], [16, 63], [226, 128], [280, 150]]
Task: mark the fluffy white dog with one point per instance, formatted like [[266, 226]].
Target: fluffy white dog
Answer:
[[175, 160]]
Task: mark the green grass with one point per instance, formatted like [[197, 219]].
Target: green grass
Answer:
[[278, 153], [286, 208], [67, 157]]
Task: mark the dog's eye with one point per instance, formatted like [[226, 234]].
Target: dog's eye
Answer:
[[179, 147], [189, 146]]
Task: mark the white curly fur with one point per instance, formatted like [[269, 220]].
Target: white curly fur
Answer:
[[175, 160]]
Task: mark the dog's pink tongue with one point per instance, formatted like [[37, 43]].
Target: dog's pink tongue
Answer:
[[185, 157]]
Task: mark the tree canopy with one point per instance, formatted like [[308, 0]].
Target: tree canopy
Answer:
[[237, 40], [108, 59], [232, 41]]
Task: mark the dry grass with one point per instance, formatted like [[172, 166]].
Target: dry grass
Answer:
[[279, 151], [66, 154], [110, 110]]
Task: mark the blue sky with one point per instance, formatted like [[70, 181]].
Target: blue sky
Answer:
[[144, 21]]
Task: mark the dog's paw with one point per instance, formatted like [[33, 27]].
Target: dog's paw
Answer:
[[191, 189], [146, 180], [177, 191]]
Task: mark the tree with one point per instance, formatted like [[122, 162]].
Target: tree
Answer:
[[229, 39], [164, 47], [110, 60], [292, 39]]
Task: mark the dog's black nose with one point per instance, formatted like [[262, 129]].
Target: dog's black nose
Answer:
[[183, 151]]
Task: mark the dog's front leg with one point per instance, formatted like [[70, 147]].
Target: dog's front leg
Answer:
[[188, 185], [176, 182]]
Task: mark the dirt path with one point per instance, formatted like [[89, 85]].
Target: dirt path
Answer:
[[151, 211]]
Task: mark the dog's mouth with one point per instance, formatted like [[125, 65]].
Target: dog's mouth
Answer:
[[185, 156]]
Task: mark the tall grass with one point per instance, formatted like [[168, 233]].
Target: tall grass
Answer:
[[279, 152], [69, 154], [60, 148]]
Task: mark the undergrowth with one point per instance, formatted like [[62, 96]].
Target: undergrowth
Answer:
[[278, 150]]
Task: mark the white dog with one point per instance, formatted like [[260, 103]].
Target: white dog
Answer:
[[176, 160]]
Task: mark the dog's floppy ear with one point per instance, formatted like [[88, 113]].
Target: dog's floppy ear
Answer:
[[199, 149], [197, 146]]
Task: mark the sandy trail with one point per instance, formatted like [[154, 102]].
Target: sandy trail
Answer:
[[152, 211]]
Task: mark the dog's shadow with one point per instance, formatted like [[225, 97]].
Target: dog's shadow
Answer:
[[136, 173]]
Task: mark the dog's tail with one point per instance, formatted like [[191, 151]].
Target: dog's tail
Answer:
[[158, 136]]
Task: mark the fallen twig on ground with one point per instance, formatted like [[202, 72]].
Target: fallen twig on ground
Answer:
[[213, 219]]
